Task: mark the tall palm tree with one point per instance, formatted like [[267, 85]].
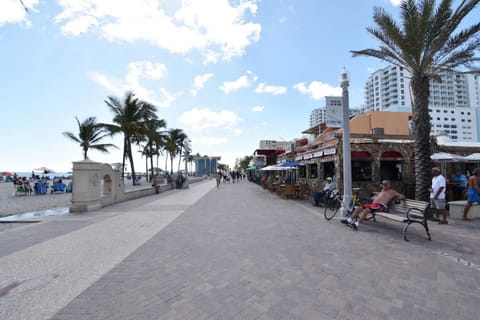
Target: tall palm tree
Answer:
[[427, 44], [89, 134], [129, 118], [154, 139], [182, 139], [174, 144]]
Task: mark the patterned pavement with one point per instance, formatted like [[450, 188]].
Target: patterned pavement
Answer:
[[237, 252]]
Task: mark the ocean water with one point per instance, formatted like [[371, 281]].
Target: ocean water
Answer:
[[40, 174]]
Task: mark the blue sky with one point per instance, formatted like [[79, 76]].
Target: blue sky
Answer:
[[229, 73]]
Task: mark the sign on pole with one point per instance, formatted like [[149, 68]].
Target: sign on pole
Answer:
[[334, 116]]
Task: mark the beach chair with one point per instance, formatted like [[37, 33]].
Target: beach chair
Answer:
[[40, 187], [69, 187], [58, 187], [22, 189]]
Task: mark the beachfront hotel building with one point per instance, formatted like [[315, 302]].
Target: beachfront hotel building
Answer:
[[317, 116], [454, 103]]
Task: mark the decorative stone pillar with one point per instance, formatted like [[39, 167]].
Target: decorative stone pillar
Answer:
[[86, 192]]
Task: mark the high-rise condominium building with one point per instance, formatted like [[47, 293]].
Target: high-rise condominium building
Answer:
[[317, 116], [453, 102]]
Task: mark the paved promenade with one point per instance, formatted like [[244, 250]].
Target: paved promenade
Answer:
[[237, 252]]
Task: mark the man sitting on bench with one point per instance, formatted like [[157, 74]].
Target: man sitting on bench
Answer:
[[379, 204]]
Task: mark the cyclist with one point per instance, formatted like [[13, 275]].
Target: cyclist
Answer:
[[318, 196], [379, 204]]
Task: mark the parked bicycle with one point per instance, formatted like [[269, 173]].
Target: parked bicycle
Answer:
[[335, 202]]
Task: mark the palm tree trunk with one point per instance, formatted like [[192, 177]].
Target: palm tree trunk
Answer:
[[166, 161], [146, 168], [179, 158], [171, 163], [421, 132], [151, 164], [124, 156], [130, 156]]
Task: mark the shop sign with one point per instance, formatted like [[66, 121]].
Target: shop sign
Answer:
[[329, 151]]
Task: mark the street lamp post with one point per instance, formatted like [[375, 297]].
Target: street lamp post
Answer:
[[347, 163]]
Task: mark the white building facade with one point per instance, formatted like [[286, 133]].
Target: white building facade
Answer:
[[453, 104]]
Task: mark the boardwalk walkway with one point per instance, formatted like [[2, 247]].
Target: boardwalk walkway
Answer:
[[237, 252]]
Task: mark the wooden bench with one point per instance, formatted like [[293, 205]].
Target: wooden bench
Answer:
[[407, 211]]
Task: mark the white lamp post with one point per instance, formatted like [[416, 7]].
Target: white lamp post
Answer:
[[347, 163]]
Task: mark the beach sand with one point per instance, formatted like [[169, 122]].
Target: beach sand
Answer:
[[10, 204]]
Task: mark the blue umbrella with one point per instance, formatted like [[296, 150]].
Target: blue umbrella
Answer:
[[291, 164]]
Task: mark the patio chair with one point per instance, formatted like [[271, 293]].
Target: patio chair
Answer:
[[289, 191]]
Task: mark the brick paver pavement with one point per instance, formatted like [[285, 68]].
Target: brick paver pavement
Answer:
[[240, 252]]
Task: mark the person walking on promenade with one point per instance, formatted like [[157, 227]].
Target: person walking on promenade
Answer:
[[219, 178], [437, 195], [379, 204], [473, 192]]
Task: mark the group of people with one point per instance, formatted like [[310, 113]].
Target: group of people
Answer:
[[438, 203], [229, 176]]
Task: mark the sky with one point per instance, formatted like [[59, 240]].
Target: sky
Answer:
[[229, 73]]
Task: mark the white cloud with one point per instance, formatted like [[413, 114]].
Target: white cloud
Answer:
[[396, 3], [201, 119], [318, 90], [229, 86], [257, 108], [106, 83], [275, 90], [12, 11], [199, 82], [136, 71], [209, 141], [218, 29]]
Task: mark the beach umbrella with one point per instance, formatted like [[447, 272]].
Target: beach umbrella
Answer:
[[6, 174], [45, 170], [291, 164], [472, 157], [445, 156]]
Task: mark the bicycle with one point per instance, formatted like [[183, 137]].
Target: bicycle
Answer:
[[336, 202]]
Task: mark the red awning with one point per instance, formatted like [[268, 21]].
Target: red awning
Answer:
[[391, 154], [302, 142], [360, 154], [269, 152]]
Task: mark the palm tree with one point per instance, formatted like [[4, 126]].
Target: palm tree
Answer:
[[154, 139], [89, 134], [427, 44], [182, 139], [129, 118], [174, 144]]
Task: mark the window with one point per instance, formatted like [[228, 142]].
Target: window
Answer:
[[313, 171], [362, 170]]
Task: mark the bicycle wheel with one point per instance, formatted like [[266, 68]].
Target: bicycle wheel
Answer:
[[331, 209]]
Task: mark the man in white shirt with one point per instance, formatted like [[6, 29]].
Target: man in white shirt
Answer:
[[437, 195], [318, 196]]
